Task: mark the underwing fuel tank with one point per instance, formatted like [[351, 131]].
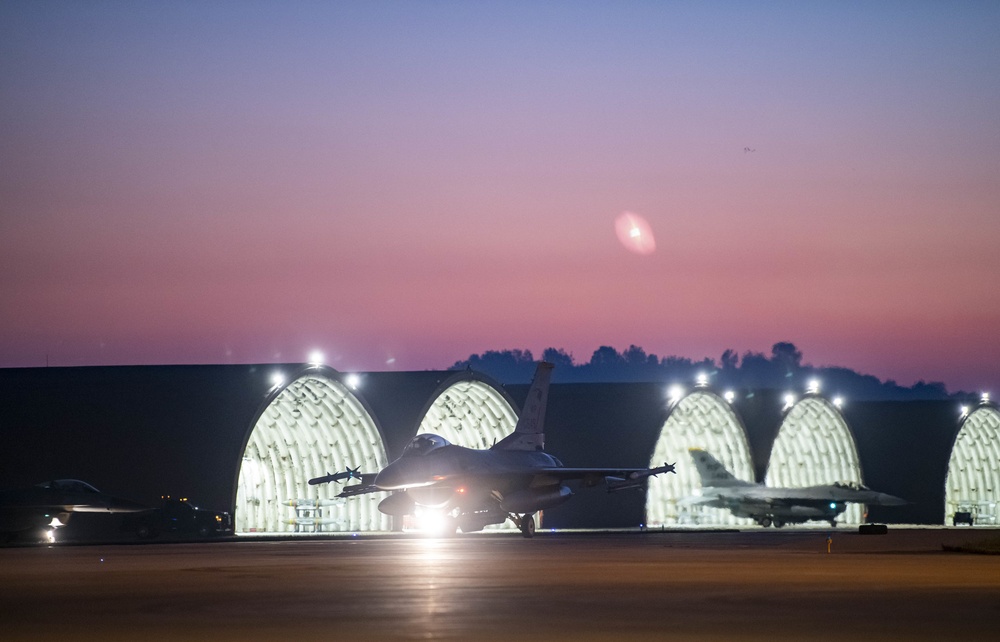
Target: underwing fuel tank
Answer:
[[397, 504], [530, 500]]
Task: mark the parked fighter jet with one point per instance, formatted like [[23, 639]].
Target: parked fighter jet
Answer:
[[474, 488], [39, 510], [778, 506]]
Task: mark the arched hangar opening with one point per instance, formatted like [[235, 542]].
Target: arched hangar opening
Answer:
[[704, 420], [470, 413], [973, 482], [310, 426], [814, 446]]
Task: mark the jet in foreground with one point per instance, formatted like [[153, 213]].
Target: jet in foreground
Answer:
[[39, 510], [778, 506], [474, 488]]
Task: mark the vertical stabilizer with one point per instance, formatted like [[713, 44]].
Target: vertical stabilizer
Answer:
[[529, 433], [713, 474]]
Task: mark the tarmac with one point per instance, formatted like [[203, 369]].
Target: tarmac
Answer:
[[749, 585]]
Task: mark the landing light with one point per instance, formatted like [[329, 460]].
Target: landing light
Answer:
[[813, 386], [316, 358], [430, 521], [985, 397], [965, 410], [730, 396], [675, 393], [353, 381], [838, 401], [277, 379], [789, 401], [702, 380]]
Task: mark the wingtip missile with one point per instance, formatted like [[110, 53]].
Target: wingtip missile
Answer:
[[665, 468], [350, 473], [636, 479]]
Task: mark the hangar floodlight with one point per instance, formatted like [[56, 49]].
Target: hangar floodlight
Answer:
[[675, 393], [353, 381], [730, 396], [838, 402], [316, 358], [813, 387], [702, 380]]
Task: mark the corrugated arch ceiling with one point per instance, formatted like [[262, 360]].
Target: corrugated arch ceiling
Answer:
[[315, 425], [973, 481], [470, 414], [703, 420], [814, 446]]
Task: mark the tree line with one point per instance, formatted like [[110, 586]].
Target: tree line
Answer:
[[783, 369]]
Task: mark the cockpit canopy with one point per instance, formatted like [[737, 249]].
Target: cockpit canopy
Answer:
[[423, 444]]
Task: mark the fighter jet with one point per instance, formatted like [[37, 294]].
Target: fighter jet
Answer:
[[778, 506], [39, 510], [474, 488]]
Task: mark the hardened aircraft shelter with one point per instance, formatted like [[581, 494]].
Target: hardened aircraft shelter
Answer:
[[247, 438], [973, 482], [813, 446], [701, 419], [324, 421]]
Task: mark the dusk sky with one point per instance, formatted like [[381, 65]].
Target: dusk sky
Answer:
[[403, 184]]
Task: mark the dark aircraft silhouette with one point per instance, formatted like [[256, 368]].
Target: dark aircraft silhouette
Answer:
[[778, 506], [39, 510], [474, 488]]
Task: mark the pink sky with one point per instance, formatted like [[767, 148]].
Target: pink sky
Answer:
[[240, 182]]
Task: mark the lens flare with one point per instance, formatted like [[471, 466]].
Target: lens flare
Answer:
[[634, 233]]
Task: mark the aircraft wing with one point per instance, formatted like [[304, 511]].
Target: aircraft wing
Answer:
[[350, 473], [615, 478]]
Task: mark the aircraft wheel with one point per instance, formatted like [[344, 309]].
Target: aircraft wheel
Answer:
[[765, 522], [145, 531], [528, 525], [778, 523]]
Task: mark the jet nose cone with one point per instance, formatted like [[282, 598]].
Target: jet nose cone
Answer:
[[392, 477]]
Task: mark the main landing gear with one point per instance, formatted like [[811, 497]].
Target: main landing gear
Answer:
[[526, 523]]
